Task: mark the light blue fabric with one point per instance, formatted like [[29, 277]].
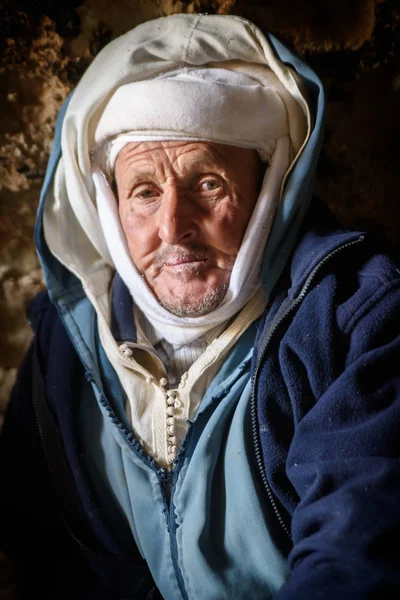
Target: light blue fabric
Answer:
[[222, 547]]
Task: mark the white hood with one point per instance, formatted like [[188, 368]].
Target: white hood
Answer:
[[72, 215]]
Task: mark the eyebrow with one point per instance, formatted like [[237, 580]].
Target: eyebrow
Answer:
[[137, 176], [205, 158]]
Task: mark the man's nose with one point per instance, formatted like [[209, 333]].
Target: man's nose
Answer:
[[176, 217]]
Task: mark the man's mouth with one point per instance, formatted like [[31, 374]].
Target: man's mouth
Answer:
[[191, 259], [182, 262]]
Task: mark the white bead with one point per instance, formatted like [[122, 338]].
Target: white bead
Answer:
[[170, 401], [172, 439], [163, 382], [123, 347], [170, 420], [172, 449], [171, 429], [177, 404], [171, 393], [128, 352], [170, 411]]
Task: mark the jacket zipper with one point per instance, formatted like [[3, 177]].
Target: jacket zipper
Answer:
[[276, 323], [168, 481]]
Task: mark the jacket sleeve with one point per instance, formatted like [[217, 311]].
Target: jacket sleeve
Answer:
[[22, 472], [30, 523], [344, 463]]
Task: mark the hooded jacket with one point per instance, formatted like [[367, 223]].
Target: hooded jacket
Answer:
[[324, 412]]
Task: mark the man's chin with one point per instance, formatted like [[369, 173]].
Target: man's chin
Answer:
[[194, 305]]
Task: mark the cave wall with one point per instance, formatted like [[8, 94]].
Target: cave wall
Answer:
[[46, 46]]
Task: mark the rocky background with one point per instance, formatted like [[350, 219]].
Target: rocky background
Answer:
[[354, 45]]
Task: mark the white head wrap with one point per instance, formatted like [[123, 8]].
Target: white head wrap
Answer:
[[217, 105], [204, 77]]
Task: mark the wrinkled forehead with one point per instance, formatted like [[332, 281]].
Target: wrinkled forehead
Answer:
[[147, 160], [193, 153]]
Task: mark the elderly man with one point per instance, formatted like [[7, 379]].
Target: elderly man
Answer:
[[210, 407]]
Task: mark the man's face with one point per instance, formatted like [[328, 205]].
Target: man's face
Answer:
[[184, 208]]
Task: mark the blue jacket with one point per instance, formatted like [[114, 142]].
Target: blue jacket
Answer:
[[326, 412]]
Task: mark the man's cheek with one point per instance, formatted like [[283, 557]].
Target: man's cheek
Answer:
[[135, 228], [142, 246], [227, 228]]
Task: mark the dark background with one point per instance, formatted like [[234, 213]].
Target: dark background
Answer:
[[45, 46]]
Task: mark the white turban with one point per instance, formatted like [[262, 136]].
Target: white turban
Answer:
[[217, 105], [174, 81]]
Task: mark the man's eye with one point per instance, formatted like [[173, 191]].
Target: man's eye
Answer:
[[145, 194], [209, 185]]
